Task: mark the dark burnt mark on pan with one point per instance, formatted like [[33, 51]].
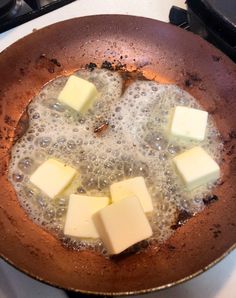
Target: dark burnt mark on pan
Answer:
[[216, 234], [134, 249], [1, 134], [55, 62], [25, 67], [22, 71], [9, 121], [3, 167], [50, 64], [229, 143], [120, 66], [22, 126], [33, 250], [101, 128], [233, 166], [216, 230], [3, 137], [34, 254], [215, 58], [232, 134], [91, 66], [171, 247], [10, 217], [192, 79], [229, 138], [107, 65], [182, 218], [187, 83], [229, 146], [231, 150], [210, 199], [115, 65], [7, 135], [130, 77]]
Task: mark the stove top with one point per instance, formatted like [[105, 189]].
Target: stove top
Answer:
[[218, 282], [17, 12], [208, 18]]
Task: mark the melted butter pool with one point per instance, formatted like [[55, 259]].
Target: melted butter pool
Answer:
[[134, 143]]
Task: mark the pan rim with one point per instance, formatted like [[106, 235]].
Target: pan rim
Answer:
[[126, 293], [117, 15]]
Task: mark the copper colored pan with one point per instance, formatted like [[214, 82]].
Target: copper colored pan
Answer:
[[163, 53]]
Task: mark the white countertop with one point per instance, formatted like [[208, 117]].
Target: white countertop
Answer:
[[218, 282], [155, 9]]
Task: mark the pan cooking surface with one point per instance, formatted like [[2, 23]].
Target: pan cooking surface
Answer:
[[159, 52], [135, 143]]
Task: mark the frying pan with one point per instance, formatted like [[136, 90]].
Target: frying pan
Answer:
[[162, 53]]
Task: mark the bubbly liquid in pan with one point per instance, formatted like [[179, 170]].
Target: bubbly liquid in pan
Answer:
[[130, 140]]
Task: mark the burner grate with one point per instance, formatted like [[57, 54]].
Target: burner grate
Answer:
[[179, 17], [195, 20], [25, 10]]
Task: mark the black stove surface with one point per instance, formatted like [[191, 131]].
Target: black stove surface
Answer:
[[17, 12], [213, 20]]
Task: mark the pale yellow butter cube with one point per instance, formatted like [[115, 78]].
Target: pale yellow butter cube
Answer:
[[52, 177], [79, 222], [122, 224], [78, 94], [196, 167], [188, 123], [132, 187]]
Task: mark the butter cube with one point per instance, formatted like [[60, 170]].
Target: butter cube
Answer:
[[132, 187], [196, 167], [122, 224], [52, 177], [78, 94], [188, 123], [79, 221]]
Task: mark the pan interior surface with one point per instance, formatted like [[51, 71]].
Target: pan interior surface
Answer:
[[159, 52]]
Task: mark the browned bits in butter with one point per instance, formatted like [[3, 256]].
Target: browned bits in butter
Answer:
[[102, 127]]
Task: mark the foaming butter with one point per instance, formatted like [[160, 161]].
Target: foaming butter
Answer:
[[136, 144]]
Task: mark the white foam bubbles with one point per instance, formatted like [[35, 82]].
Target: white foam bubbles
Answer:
[[134, 143]]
